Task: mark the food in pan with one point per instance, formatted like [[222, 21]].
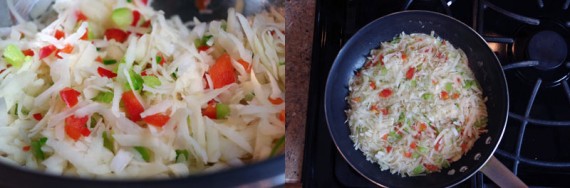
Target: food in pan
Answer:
[[113, 89], [415, 105]]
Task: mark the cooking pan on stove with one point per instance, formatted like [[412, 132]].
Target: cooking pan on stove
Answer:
[[482, 61]]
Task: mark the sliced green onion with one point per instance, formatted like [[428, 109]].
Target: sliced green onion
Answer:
[[104, 97], [93, 120], [448, 86], [249, 96], [427, 96], [145, 152], [414, 83], [415, 155], [202, 41], [222, 111], [108, 142], [181, 155], [151, 81], [15, 111], [174, 74], [422, 149], [136, 80], [402, 117], [393, 136], [158, 59], [36, 148], [224, 25], [480, 123], [418, 170], [383, 71], [90, 33], [122, 17], [395, 40], [25, 111], [445, 164], [468, 84], [109, 61], [278, 146], [14, 56]]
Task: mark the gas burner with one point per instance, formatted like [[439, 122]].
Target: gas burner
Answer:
[[547, 44], [553, 55]]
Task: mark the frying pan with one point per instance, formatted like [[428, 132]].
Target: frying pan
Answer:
[[482, 61]]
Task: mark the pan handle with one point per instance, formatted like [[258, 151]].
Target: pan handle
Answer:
[[501, 175]]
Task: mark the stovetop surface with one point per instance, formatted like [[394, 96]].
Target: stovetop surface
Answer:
[[530, 38]]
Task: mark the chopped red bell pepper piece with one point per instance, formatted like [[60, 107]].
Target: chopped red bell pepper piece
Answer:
[[26, 148], [455, 96], [80, 16], [210, 110], [276, 101], [385, 111], [222, 72], [413, 145], [431, 167], [59, 34], [157, 120], [75, 127], [69, 96], [407, 154], [410, 73], [444, 95], [46, 51], [117, 34], [67, 49], [85, 35], [28, 52], [106, 73], [38, 116], [203, 48], [246, 65], [133, 107], [385, 93], [201, 4], [282, 116], [136, 17]]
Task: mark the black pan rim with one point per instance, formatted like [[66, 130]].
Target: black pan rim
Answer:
[[273, 170], [352, 39]]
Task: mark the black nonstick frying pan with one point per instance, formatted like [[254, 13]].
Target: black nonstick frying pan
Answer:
[[482, 61]]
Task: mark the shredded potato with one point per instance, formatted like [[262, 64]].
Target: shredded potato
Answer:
[[415, 106]]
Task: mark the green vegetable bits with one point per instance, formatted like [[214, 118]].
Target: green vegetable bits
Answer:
[[222, 111], [144, 152], [122, 17], [14, 56]]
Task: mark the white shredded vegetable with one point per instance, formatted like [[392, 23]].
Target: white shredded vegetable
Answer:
[[97, 99], [415, 106]]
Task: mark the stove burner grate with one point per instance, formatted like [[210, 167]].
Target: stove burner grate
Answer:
[[545, 66]]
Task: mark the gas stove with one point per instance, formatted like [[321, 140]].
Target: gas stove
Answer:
[[531, 39]]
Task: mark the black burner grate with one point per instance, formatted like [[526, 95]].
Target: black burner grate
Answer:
[[517, 158]]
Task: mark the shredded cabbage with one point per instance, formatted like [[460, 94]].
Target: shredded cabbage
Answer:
[[177, 84], [414, 107]]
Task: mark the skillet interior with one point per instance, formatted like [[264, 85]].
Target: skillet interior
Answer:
[[482, 61]]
